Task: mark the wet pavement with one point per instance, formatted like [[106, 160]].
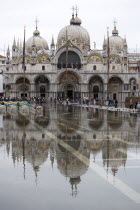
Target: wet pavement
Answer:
[[72, 158]]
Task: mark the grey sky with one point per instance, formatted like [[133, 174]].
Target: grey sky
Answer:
[[53, 15]]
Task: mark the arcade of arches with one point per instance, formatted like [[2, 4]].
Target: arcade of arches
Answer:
[[70, 86], [40, 87]]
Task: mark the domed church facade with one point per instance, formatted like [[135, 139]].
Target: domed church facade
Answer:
[[70, 68]]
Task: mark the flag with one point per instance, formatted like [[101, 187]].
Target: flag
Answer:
[[23, 60]]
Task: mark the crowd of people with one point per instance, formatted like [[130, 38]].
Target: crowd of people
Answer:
[[60, 100]]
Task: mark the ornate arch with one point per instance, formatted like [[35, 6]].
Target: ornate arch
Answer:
[[41, 75], [116, 76], [28, 60], [95, 75], [132, 78], [114, 59], [70, 73], [63, 49], [22, 77], [95, 58], [43, 59]]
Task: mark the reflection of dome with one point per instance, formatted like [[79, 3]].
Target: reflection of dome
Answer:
[[76, 33], [114, 120], [96, 120], [112, 157], [36, 41], [69, 165], [22, 121]]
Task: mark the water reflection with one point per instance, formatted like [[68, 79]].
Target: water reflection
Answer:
[[91, 133]]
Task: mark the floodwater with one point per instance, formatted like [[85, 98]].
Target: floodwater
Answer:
[[73, 158]]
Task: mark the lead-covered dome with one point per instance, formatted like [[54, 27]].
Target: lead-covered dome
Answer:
[[116, 43], [37, 42], [76, 34]]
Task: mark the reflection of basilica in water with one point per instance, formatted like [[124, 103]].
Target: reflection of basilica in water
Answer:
[[89, 132]]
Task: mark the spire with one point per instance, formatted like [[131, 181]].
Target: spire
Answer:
[[115, 31], [76, 9], [36, 32], [77, 20], [8, 50], [104, 40], [72, 20], [52, 43], [18, 44], [36, 21], [14, 43], [125, 39]]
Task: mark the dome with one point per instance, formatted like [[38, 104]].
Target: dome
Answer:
[[76, 34], [116, 42], [36, 41], [77, 21]]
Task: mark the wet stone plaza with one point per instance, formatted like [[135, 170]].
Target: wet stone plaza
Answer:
[[70, 158]]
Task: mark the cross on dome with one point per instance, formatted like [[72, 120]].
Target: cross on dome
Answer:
[[36, 22], [76, 9], [115, 22]]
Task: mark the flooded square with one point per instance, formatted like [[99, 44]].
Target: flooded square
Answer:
[[70, 157]]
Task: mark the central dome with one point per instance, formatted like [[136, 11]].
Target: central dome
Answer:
[[36, 41], [76, 34]]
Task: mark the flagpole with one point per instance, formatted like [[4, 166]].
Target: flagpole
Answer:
[[24, 59], [66, 59], [108, 62]]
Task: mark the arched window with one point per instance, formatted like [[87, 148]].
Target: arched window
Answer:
[[43, 67], [133, 84], [74, 60], [113, 67], [94, 67]]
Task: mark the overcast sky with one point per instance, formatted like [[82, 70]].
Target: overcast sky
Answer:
[[53, 15]]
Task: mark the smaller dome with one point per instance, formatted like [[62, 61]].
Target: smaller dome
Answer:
[[116, 42], [36, 41], [115, 32], [72, 21], [36, 33], [77, 21]]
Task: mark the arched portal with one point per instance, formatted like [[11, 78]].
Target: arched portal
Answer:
[[96, 87], [41, 86], [73, 59], [22, 87], [115, 89], [69, 86], [133, 86]]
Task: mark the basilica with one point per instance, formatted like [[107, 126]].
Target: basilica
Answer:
[[70, 68]]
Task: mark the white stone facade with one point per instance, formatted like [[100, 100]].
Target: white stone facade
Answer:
[[88, 73]]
